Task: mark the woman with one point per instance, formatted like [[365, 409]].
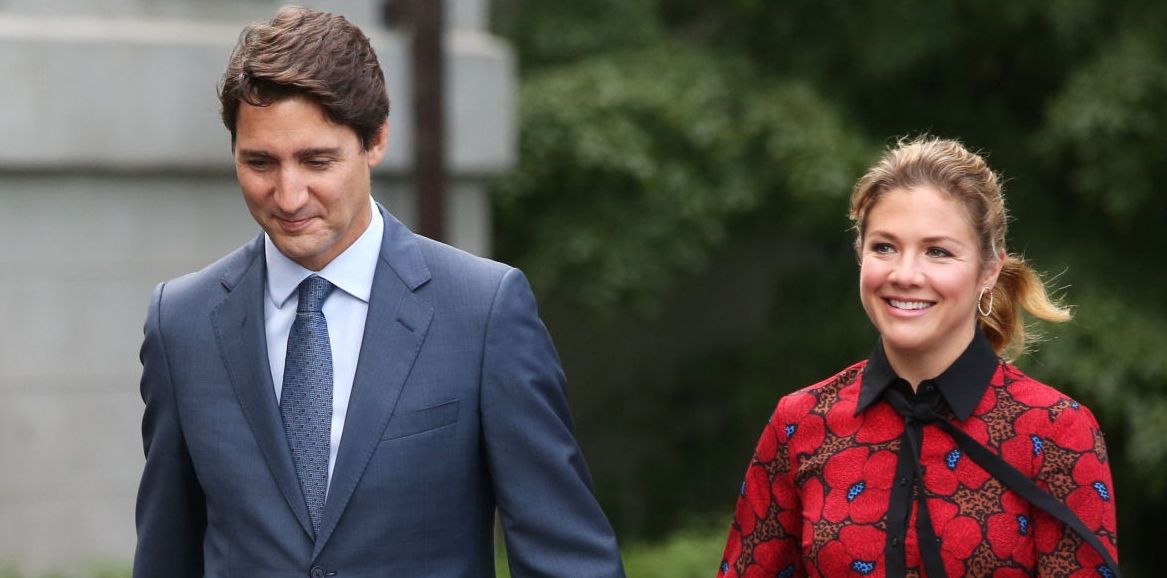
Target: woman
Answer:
[[932, 457]]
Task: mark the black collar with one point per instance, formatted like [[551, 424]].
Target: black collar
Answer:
[[962, 385]]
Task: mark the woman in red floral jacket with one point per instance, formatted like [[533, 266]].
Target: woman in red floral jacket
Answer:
[[932, 457]]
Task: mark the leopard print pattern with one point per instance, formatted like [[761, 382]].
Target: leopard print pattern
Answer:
[[767, 529], [980, 503]]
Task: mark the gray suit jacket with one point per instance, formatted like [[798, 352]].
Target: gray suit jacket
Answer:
[[458, 407]]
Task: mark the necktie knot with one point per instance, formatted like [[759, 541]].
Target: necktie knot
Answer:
[[924, 413], [313, 291], [920, 410]]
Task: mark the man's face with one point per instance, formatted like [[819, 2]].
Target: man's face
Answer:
[[305, 178]]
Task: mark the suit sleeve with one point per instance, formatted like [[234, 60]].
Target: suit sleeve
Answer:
[[553, 525], [171, 511]]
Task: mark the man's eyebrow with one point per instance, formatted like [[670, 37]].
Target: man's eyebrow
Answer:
[[308, 152], [253, 153], [319, 151]]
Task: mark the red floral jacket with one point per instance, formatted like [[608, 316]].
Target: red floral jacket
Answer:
[[819, 488]]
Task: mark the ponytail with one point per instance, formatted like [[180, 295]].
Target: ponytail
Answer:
[[1018, 287], [948, 166]]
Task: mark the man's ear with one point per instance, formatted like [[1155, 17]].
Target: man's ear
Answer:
[[378, 145]]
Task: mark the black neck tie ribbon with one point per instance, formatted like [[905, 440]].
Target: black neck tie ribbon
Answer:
[[909, 475]]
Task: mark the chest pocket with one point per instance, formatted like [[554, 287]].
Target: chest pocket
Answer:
[[421, 420]]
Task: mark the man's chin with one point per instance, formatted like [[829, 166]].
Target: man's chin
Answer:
[[300, 250]]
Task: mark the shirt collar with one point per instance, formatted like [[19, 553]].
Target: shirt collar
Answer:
[[351, 271], [962, 385]]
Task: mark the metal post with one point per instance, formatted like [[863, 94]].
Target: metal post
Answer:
[[427, 19]]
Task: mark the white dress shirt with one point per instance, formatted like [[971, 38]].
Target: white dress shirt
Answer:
[[345, 310]]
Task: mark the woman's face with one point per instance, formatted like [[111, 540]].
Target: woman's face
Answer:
[[921, 273]]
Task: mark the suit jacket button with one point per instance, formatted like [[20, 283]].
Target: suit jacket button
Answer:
[[316, 572]]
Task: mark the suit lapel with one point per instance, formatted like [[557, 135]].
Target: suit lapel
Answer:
[[242, 340], [395, 329]]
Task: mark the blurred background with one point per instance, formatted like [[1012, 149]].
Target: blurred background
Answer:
[[673, 176]]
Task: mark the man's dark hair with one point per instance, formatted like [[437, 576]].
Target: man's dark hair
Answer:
[[305, 53]]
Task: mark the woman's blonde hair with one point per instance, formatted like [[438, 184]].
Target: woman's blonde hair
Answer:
[[947, 166]]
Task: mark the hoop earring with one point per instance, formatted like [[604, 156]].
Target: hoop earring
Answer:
[[980, 298]]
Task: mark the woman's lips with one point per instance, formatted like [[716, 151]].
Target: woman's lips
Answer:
[[908, 307], [910, 304]]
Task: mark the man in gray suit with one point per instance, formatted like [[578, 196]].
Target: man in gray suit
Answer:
[[339, 396]]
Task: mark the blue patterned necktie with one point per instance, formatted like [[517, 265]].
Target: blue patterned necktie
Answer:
[[306, 398]]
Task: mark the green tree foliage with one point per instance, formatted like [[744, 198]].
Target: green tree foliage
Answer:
[[636, 163], [549, 33], [657, 135]]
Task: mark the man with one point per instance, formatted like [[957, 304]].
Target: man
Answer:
[[341, 397]]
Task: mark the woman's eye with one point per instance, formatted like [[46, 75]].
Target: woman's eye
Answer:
[[938, 252], [881, 248]]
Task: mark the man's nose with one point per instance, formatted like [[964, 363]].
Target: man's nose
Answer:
[[291, 191]]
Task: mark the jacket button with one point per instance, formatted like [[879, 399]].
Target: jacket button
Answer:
[[895, 542], [316, 572]]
